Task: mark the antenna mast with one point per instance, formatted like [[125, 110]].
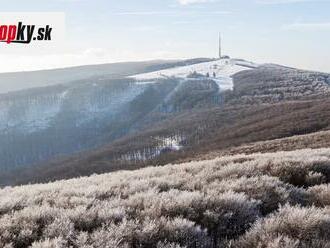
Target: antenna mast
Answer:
[[220, 52]]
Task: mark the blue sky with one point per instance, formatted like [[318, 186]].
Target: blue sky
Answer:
[[289, 32]]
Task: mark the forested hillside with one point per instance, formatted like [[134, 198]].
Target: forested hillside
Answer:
[[38, 124], [128, 124]]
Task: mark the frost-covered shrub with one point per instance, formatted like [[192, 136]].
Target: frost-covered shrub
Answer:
[[300, 227], [168, 245], [314, 178], [270, 191], [323, 167], [320, 195], [198, 204], [149, 233], [50, 243], [297, 173], [230, 214], [22, 227]]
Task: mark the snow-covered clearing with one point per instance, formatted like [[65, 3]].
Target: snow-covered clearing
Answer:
[[221, 71]]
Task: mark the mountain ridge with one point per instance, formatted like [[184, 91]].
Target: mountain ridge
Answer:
[[172, 119]]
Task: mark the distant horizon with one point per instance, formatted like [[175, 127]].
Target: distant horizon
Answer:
[[150, 60]]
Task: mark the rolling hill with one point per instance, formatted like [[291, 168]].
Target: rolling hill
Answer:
[[77, 115], [162, 117], [200, 153], [17, 81]]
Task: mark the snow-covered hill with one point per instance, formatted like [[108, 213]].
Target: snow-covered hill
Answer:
[[221, 71]]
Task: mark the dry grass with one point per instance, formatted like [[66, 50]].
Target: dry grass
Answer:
[[232, 201]]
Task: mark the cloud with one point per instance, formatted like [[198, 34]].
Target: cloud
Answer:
[[187, 2], [322, 26], [145, 13], [145, 28], [172, 13], [288, 1]]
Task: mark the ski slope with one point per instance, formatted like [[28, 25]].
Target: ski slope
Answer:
[[223, 69]]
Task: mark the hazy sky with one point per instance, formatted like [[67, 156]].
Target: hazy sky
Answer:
[[289, 32]]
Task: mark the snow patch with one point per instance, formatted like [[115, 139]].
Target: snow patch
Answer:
[[221, 71], [172, 143], [145, 82], [166, 144]]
